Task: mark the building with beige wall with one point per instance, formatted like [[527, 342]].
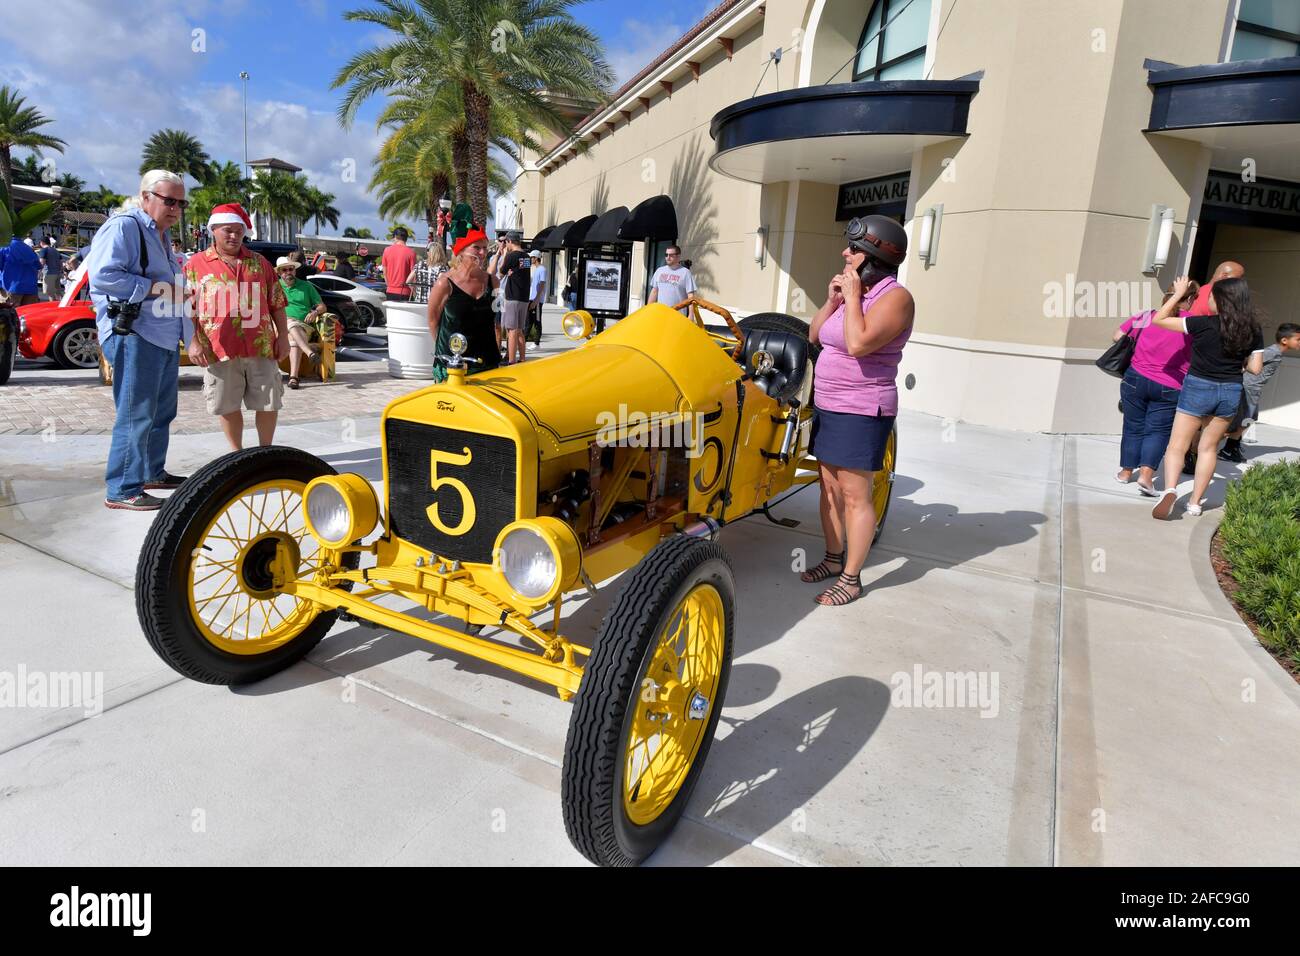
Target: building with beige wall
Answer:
[[1040, 145]]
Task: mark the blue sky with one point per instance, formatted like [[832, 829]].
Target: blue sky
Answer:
[[111, 72]]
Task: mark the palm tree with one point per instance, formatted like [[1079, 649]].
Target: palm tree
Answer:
[[102, 200], [317, 204], [29, 172], [437, 120], [462, 48], [178, 152], [277, 194], [363, 233], [223, 183], [20, 126], [410, 177]]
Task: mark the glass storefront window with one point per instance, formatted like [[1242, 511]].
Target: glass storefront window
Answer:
[[1267, 29], [897, 53]]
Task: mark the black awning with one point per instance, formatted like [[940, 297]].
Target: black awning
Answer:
[[539, 240], [655, 219], [555, 241], [605, 229], [577, 233]]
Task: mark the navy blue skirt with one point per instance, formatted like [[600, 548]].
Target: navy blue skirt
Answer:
[[850, 441]]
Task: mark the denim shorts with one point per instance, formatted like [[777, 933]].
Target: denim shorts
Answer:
[[1201, 397]]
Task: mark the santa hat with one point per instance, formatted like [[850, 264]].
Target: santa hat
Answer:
[[229, 213], [467, 240]]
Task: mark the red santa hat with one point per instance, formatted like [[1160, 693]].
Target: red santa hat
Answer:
[[228, 213]]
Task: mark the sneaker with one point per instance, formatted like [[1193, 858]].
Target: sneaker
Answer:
[[1194, 510], [168, 482], [1148, 490], [141, 502], [1232, 454], [1165, 506]]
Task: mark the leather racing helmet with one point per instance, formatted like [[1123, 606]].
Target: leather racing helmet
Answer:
[[879, 237]]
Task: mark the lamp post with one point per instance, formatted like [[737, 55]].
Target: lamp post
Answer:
[[243, 75]]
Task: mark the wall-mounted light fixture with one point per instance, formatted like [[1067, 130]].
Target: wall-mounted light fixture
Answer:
[[760, 244], [1160, 233], [927, 243]]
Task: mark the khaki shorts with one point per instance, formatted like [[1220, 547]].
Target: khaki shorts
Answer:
[[254, 382], [514, 315]]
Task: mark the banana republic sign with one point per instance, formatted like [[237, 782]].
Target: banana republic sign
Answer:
[[1253, 202], [886, 196]]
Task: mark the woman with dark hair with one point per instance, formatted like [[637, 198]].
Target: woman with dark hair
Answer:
[[1223, 343], [1149, 392], [862, 329]]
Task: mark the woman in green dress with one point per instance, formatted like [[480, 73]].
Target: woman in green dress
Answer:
[[461, 301]]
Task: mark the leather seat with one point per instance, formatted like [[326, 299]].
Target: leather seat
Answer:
[[789, 353]]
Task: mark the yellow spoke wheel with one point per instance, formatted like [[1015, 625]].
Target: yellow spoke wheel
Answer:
[[210, 583], [672, 707], [644, 717], [883, 486]]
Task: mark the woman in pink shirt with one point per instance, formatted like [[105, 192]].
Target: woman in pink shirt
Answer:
[[862, 329], [1149, 393]]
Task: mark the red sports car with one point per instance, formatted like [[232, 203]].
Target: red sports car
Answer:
[[63, 330]]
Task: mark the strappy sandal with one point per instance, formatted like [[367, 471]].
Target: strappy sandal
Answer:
[[838, 594], [293, 381], [822, 571]]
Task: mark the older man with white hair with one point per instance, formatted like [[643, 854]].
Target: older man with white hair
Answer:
[[140, 312]]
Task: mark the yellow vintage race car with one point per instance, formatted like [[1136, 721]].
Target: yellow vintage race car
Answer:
[[503, 494]]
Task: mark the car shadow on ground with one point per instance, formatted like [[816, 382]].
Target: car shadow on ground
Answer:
[[966, 536], [768, 769]]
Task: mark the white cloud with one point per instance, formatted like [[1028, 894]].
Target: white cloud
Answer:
[[638, 44]]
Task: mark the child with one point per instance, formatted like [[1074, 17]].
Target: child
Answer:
[[1288, 340]]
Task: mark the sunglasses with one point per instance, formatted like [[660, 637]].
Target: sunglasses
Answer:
[[168, 201]]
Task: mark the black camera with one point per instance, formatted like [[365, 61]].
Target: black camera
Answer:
[[123, 315]]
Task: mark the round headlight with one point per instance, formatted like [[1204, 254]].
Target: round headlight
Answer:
[[577, 325], [540, 558], [328, 513], [528, 563], [340, 509], [458, 344]]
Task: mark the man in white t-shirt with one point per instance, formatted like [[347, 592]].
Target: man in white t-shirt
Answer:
[[672, 282]]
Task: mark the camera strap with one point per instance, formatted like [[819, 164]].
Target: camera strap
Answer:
[[144, 246]]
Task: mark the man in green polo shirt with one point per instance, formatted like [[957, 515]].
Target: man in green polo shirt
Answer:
[[304, 305]]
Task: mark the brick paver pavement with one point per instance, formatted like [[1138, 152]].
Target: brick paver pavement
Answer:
[[38, 399]]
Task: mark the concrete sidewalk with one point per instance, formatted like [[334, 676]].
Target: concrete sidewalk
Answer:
[[1130, 718]]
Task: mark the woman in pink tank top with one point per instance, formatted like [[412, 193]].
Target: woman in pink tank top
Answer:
[[862, 329]]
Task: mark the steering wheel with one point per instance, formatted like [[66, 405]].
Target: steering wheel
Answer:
[[736, 342]]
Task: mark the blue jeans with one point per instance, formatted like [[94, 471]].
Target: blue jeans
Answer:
[[1202, 397], [144, 391], [1148, 418]]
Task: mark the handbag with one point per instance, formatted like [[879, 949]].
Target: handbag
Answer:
[[1116, 359]]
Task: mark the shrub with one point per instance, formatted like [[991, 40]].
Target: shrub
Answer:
[[1260, 535]]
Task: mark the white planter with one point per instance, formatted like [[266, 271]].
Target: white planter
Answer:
[[410, 346]]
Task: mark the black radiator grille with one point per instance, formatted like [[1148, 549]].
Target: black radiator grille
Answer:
[[489, 476]]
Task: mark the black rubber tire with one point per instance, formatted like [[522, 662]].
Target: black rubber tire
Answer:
[[370, 315], [880, 518], [58, 348], [592, 776], [8, 340], [161, 600], [779, 322]]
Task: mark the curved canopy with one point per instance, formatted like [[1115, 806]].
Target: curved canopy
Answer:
[[839, 132], [577, 233], [555, 241], [605, 229], [654, 219], [539, 240]]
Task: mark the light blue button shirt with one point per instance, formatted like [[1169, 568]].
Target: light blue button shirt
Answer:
[[538, 281], [113, 265]]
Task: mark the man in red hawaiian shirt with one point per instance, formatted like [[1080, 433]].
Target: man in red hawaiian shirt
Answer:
[[238, 310]]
